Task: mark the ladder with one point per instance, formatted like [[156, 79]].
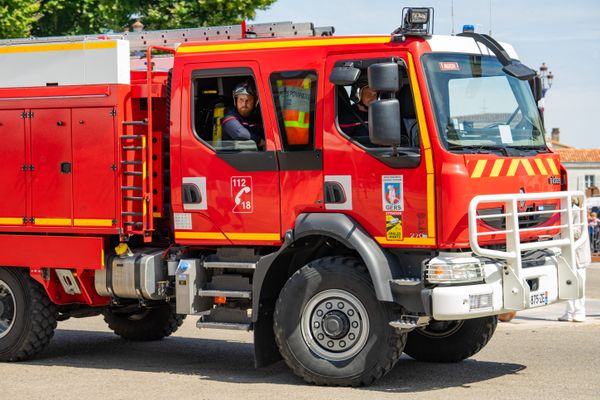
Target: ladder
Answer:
[[140, 41]]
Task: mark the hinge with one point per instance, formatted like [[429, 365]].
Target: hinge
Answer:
[[27, 167], [24, 114], [32, 220], [30, 114], [113, 112], [25, 220], [114, 222], [114, 167]]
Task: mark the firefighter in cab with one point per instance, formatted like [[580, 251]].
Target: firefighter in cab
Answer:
[[243, 121]]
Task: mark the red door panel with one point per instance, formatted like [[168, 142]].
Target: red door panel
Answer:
[[51, 178], [12, 176], [93, 160]]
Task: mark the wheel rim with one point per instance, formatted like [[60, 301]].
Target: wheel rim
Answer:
[[335, 325], [8, 311], [440, 329]]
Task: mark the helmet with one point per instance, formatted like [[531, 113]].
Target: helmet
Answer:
[[246, 88]]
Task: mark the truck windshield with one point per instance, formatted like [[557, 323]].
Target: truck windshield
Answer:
[[480, 108]]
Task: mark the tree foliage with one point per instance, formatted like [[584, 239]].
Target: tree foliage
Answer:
[[20, 18], [17, 17]]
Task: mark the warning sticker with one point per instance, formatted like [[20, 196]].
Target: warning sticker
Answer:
[[241, 191], [393, 226], [449, 66], [392, 193]]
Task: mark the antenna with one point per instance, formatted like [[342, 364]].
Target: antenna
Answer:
[[490, 17], [452, 15]]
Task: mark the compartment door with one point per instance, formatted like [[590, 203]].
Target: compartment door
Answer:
[[51, 178], [13, 207], [94, 174]]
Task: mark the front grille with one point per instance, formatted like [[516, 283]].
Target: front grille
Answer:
[[527, 221]]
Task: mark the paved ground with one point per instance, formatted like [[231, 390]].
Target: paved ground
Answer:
[[534, 356]]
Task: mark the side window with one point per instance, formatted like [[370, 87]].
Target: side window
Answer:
[[352, 108], [226, 110], [294, 95]]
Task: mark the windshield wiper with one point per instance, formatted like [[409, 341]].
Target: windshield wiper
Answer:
[[538, 148], [479, 149]]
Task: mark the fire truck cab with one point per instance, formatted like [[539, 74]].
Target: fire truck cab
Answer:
[[342, 237]]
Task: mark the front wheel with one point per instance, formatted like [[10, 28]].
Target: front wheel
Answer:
[[450, 341], [331, 329], [27, 316]]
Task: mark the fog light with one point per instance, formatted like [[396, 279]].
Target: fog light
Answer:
[[480, 301], [418, 15]]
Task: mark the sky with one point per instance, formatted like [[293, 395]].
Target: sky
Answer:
[[564, 35]]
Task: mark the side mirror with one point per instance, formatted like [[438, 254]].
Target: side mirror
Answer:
[[344, 76], [384, 122], [536, 88], [384, 77]]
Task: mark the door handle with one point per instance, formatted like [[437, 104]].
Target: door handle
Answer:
[[65, 168], [191, 194]]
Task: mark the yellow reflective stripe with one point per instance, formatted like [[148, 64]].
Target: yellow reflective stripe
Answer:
[[102, 257], [430, 240], [157, 215], [253, 236], [407, 241], [92, 222], [271, 237], [479, 169], [53, 221], [497, 168], [514, 164], [528, 167], [282, 44], [109, 44], [540, 165], [11, 221], [553, 167], [200, 235], [144, 172]]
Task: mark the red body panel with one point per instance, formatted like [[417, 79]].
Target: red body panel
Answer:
[[13, 182]]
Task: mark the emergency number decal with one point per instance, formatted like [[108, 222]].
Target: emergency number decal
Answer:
[[449, 66], [241, 192], [393, 227], [392, 193]]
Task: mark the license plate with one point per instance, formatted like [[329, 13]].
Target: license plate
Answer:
[[538, 299]]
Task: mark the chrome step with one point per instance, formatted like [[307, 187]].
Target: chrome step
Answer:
[[409, 322], [229, 265], [224, 325], [406, 282], [237, 294]]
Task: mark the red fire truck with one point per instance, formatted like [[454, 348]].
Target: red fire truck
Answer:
[[122, 196]]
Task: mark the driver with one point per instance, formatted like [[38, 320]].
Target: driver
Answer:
[[243, 121], [356, 123]]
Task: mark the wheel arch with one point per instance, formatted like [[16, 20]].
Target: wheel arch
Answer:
[[314, 235]]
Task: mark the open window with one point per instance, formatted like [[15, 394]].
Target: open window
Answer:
[[213, 105], [352, 103]]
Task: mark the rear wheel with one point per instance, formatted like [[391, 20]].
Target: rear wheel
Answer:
[[331, 329], [450, 341], [146, 324], [27, 316]]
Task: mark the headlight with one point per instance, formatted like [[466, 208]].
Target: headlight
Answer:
[[454, 270]]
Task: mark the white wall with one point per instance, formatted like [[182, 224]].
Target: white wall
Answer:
[[577, 172]]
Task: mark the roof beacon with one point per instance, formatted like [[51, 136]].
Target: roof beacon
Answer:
[[415, 22]]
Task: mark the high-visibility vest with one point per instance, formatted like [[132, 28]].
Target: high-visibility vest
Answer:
[[294, 99]]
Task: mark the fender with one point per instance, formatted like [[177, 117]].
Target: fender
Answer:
[[382, 267]]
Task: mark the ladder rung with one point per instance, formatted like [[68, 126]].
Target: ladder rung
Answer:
[[132, 148], [142, 123], [132, 162], [132, 136], [133, 198], [133, 223], [136, 173], [138, 188], [132, 214]]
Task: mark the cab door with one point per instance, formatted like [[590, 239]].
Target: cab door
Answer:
[[229, 189], [392, 197]]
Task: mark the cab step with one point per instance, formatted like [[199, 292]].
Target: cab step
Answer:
[[409, 322], [236, 294], [226, 318], [229, 265], [223, 325]]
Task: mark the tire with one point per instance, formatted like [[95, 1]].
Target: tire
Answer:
[[450, 341], [354, 344], [148, 324], [27, 316]]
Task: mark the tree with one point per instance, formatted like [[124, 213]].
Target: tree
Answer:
[[17, 17], [169, 14], [68, 17], [72, 17]]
